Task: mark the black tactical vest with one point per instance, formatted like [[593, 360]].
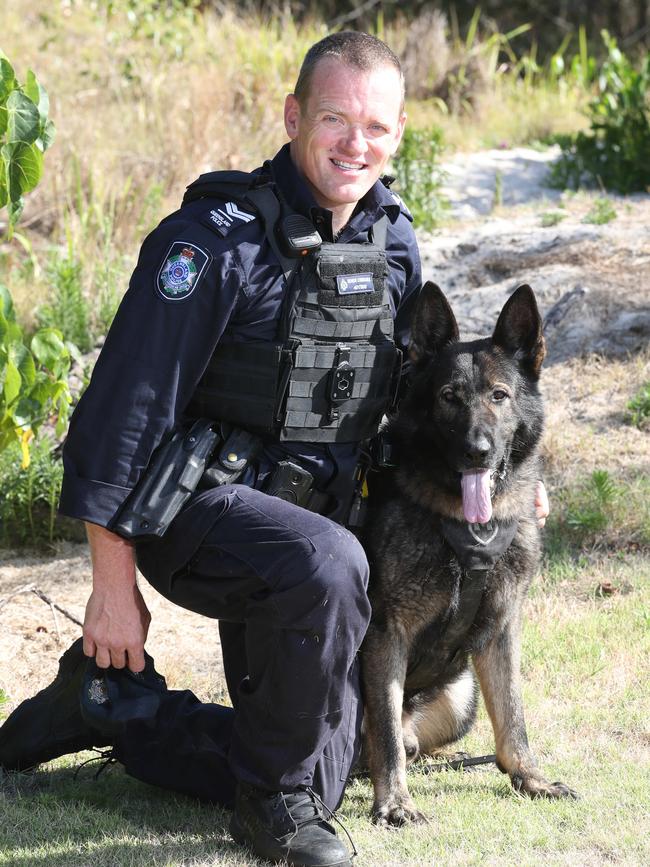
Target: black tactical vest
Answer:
[[332, 371]]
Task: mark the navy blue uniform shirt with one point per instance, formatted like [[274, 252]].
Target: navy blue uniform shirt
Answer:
[[196, 280]]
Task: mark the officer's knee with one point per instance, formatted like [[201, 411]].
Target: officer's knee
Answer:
[[340, 564]]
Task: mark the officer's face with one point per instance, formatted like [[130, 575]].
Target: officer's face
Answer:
[[343, 137]]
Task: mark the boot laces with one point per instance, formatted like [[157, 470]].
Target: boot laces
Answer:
[[107, 757], [305, 807]]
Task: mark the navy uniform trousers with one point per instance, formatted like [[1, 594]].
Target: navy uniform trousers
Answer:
[[289, 590]]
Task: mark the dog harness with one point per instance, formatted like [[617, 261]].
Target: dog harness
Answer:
[[477, 547]]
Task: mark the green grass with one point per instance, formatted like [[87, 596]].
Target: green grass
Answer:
[[552, 218], [602, 211], [586, 681], [604, 510], [639, 407]]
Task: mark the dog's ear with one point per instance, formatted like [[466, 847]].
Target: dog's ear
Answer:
[[433, 326], [519, 329]]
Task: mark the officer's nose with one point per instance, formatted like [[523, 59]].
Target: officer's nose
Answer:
[[355, 142]]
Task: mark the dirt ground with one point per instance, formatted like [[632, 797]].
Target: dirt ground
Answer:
[[598, 357]]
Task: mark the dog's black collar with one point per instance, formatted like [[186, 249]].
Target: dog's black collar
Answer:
[[478, 546]]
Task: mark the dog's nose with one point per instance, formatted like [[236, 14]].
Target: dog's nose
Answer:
[[477, 449]]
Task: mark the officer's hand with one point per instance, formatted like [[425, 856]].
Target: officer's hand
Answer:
[[542, 507], [116, 626], [117, 619]]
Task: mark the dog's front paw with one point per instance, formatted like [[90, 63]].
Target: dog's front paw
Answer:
[[538, 787], [397, 812]]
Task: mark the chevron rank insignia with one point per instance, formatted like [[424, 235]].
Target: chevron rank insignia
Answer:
[[226, 217], [181, 270]]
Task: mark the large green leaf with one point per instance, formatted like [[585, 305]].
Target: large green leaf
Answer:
[[38, 95], [48, 347], [6, 303], [24, 120], [12, 383], [24, 361], [26, 412], [24, 164], [7, 79]]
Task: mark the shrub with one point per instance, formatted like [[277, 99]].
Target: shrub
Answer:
[[615, 153], [68, 310], [639, 408], [419, 176], [30, 495], [33, 380], [602, 211]]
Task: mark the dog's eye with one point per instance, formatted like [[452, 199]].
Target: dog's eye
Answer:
[[447, 394], [500, 394]]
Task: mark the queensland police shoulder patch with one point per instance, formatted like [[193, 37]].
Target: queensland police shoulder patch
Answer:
[[181, 270]]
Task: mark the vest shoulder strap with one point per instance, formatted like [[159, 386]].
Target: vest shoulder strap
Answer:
[[220, 184], [250, 187]]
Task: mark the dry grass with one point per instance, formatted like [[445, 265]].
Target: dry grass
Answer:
[[587, 429], [143, 104]]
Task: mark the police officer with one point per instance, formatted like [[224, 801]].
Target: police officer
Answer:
[[287, 584]]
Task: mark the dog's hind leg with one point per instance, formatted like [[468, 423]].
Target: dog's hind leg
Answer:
[[384, 659], [441, 719], [497, 667]]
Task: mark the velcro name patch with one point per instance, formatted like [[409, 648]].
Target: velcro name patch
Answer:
[[181, 270], [226, 217], [353, 284]]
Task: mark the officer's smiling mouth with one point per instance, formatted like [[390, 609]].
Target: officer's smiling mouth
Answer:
[[349, 167]]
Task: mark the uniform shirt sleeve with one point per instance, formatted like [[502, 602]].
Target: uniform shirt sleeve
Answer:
[[154, 355], [405, 276]]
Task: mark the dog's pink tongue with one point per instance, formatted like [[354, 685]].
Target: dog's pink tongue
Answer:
[[477, 505]]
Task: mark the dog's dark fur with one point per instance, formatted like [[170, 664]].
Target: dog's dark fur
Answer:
[[471, 404]]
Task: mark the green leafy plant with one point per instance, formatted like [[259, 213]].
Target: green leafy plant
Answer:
[[25, 133], [33, 379], [552, 218], [28, 508], [419, 176], [602, 211], [68, 309], [639, 408], [615, 153], [591, 515]]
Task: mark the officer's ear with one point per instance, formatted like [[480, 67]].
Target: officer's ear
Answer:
[[291, 116]]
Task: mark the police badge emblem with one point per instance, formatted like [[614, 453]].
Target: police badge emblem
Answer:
[[181, 270]]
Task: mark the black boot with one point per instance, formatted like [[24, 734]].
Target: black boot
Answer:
[[287, 827], [84, 707], [50, 724]]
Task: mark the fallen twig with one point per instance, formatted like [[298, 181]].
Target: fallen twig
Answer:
[[31, 588]]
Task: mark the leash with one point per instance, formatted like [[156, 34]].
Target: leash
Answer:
[[458, 764]]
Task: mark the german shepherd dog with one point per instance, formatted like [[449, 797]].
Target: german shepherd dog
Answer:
[[453, 544]]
